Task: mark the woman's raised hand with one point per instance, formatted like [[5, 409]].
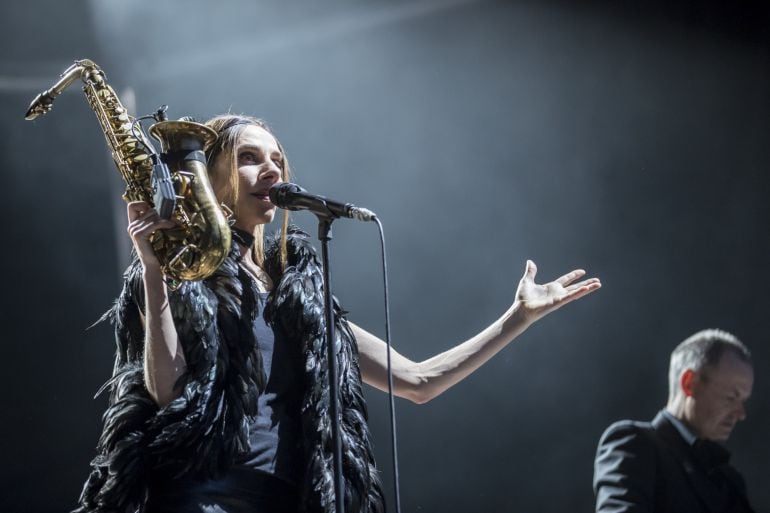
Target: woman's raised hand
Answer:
[[535, 301], [143, 221]]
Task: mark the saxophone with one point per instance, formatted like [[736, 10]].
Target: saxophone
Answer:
[[175, 182]]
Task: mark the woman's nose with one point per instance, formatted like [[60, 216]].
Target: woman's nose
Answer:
[[271, 174]]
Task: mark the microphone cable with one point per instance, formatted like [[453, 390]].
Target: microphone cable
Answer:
[[391, 401]]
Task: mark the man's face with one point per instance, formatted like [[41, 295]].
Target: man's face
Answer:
[[718, 397]]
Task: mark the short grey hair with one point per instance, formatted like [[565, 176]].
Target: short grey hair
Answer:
[[703, 349]]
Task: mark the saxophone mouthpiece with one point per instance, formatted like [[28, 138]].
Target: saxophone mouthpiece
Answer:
[[40, 105]]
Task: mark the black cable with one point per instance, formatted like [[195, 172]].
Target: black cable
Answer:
[[160, 115], [393, 437], [141, 138]]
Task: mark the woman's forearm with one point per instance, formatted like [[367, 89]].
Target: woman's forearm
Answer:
[[422, 381], [164, 359], [446, 369]]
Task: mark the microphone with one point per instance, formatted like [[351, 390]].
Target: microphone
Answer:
[[293, 197]]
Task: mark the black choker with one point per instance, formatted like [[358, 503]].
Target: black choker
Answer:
[[242, 237]]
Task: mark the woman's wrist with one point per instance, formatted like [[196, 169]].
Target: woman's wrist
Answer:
[[518, 317], [152, 272]]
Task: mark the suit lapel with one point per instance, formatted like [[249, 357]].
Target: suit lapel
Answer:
[[683, 454]]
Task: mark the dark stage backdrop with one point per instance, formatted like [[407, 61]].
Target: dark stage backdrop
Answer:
[[634, 142]]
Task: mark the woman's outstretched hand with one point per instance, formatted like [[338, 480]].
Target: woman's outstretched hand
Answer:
[[534, 301]]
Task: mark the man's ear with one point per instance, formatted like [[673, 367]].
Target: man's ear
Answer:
[[687, 382]]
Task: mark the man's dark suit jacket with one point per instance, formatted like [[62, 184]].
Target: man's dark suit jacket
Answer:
[[649, 467]]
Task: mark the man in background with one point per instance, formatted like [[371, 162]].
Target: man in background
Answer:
[[676, 463]]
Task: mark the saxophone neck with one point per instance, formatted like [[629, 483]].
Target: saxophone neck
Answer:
[[84, 69]]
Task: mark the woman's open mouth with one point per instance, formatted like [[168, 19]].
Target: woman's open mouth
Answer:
[[263, 195]]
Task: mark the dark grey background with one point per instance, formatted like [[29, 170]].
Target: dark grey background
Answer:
[[632, 141]]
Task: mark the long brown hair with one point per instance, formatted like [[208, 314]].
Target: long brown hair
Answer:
[[229, 128]]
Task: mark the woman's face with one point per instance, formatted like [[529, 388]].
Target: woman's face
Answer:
[[259, 161]]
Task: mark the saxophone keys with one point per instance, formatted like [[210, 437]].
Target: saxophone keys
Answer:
[[128, 144], [182, 187], [139, 157], [183, 257]]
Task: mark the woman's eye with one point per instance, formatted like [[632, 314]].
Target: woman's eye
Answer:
[[279, 163], [248, 157]]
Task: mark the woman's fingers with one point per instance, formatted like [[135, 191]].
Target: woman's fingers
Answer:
[[135, 209], [583, 283], [143, 220], [570, 277], [581, 289], [145, 227], [139, 228]]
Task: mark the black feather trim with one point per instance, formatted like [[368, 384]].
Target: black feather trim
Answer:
[[202, 431], [296, 313]]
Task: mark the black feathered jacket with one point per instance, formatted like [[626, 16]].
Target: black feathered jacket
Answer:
[[204, 430]]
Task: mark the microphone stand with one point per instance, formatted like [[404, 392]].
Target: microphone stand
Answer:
[[326, 211], [325, 220]]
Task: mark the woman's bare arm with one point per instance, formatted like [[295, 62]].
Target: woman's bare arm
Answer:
[[422, 381], [164, 360]]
